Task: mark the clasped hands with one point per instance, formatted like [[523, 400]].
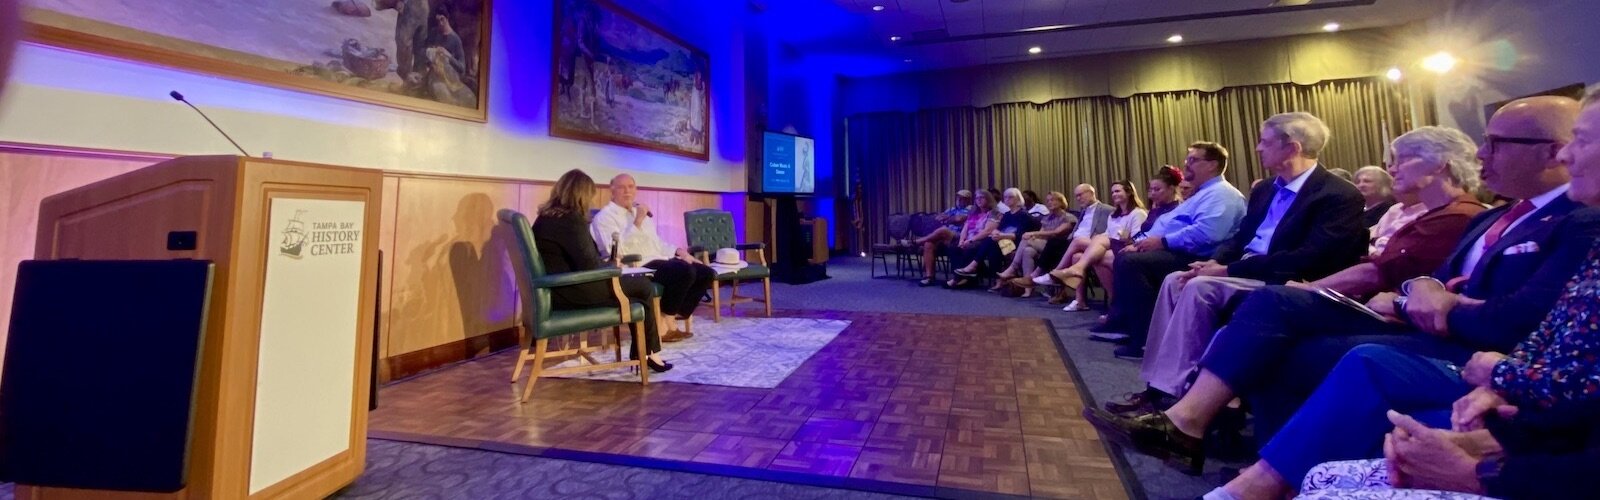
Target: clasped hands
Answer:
[[1198, 269], [1428, 306]]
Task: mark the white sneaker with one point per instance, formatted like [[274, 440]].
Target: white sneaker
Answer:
[[1043, 279], [1075, 306]]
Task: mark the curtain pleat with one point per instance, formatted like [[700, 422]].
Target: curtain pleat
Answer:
[[915, 162]]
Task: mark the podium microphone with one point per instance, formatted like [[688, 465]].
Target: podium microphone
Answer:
[[179, 97]]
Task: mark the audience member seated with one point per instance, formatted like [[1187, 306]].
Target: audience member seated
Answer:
[[1539, 408], [1305, 225], [982, 222], [953, 219], [992, 252], [1035, 208], [562, 233], [1436, 165], [1521, 454], [1347, 415], [1503, 275], [1127, 220], [1056, 225], [1095, 219], [1406, 208], [683, 279], [1343, 174], [1186, 188], [1186, 235], [1377, 193]]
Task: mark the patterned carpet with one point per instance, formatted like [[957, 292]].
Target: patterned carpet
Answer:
[[736, 352]]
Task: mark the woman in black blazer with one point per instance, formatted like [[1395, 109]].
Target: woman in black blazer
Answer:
[[561, 231]]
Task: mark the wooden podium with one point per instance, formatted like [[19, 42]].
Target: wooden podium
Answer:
[[281, 406]]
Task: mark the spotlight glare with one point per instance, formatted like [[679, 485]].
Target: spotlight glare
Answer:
[[1393, 74], [895, 38], [1035, 50], [877, 8], [1175, 39], [1440, 63], [1330, 27]]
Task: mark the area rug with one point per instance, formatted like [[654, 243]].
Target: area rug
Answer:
[[738, 352]]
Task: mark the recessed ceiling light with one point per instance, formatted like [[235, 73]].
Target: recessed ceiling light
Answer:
[[1175, 39], [908, 60], [895, 38], [1393, 74], [1035, 50], [1440, 63], [877, 8], [1330, 27]]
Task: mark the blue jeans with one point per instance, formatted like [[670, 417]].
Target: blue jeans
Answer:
[[1345, 419]]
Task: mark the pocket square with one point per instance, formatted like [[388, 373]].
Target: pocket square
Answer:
[[1522, 248]]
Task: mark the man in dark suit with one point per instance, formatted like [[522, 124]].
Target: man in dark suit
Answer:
[[1506, 271], [1303, 225]]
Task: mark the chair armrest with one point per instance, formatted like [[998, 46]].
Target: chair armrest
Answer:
[[631, 259], [750, 246], [575, 278]]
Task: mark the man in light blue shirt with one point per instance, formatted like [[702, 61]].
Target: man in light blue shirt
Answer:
[[1187, 234]]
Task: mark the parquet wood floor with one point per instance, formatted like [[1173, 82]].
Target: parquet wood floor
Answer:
[[983, 404]]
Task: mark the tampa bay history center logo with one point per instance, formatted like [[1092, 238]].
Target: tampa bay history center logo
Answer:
[[321, 238]]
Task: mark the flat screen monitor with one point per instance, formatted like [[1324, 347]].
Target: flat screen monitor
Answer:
[[788, 164], [101, 366]]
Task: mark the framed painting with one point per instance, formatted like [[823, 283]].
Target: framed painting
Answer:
[[422, 55], [618, 79]]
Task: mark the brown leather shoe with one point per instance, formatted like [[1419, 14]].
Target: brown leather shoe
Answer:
[[675, 336], [1152, 434]]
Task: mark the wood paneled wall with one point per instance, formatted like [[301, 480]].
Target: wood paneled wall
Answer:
[[448, 293]]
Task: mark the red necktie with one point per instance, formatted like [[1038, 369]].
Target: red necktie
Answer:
[[1499, 228]]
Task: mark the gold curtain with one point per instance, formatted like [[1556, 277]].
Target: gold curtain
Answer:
[[915, 162]]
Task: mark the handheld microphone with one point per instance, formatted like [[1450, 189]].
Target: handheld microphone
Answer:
[[646, 213], [179, 97]]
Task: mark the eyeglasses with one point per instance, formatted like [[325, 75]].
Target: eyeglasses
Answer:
[[1490, 141]]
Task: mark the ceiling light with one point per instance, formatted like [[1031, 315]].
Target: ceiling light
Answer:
[[895, 38], [1175, 39], [877, 8], [1440, 63], [1035, 50], [1330, 27], [908, 60], [1393, 74]]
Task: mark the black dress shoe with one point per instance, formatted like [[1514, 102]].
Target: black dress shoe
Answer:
[[657, 367], [1105, 327], [1129, 352], [1153, 434]]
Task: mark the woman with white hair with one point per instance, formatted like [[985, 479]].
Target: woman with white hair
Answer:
[[1377, 193]]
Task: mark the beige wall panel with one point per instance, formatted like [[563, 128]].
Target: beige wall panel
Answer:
[[452, 279]]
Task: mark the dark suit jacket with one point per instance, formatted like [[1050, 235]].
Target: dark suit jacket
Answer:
[[1321, 234], [1520, 277]]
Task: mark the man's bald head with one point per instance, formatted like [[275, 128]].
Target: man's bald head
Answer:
[[1544, 117], [1085, 195], [624, 191], [1521, 143]]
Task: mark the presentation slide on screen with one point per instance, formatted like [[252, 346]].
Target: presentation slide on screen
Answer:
[[790, 164]]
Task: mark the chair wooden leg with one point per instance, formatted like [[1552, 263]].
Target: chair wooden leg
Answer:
[[766, 294], [639, 345], [538, 366], [733, 297], [616, 337], [522, 357], [716, 301]]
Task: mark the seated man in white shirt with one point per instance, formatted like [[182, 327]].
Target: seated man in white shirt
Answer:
[[682, 278]]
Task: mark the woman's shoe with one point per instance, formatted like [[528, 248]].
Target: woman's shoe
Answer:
[[657, 367], [964, 272], [1075, 306], [1043, 279], [925, 282]]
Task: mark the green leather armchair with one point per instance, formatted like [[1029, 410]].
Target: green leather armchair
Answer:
[[709, 230], [540, 322]]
